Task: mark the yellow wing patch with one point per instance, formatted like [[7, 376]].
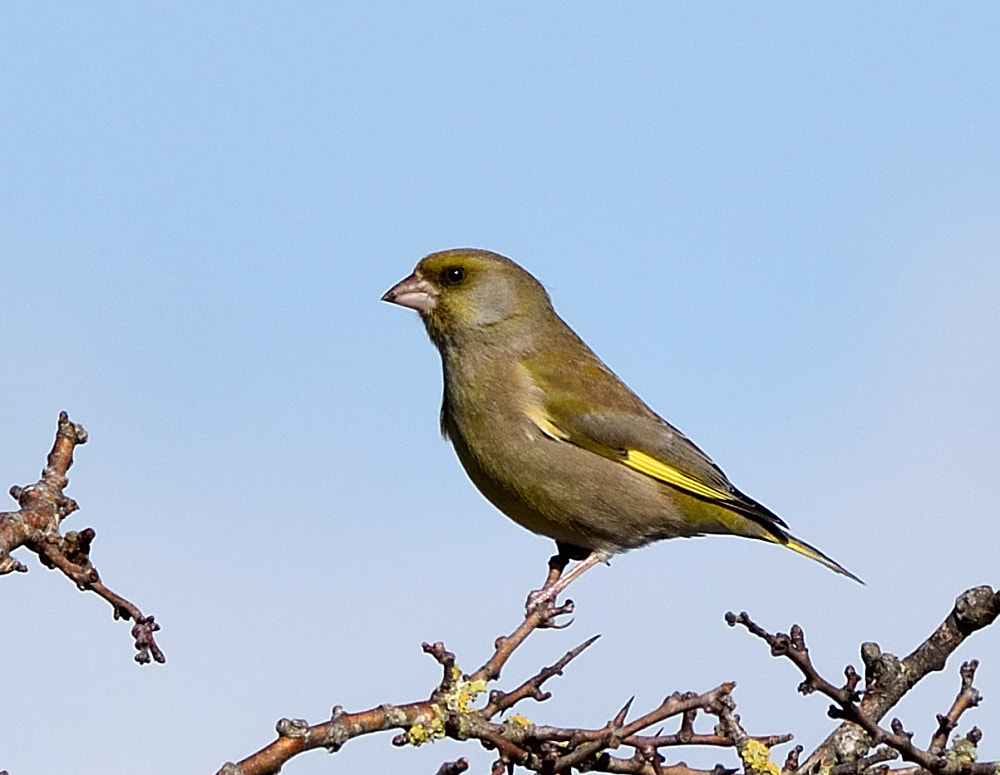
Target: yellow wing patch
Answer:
[[650, 466], [634, 459]]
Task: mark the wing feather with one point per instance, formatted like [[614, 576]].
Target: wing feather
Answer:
[[585, 404]]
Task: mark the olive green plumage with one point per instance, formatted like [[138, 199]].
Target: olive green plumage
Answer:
[[550, 435]]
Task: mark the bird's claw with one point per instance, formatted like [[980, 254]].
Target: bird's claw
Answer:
[[538, 598], [540, 603]]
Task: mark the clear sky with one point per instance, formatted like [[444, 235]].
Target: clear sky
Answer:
[[778, 222]]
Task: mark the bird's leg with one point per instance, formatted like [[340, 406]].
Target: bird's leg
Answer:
[[556, 582], [557, 564]]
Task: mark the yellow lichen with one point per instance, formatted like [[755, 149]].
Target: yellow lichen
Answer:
[[756, 757], [516, 727], [419, 734], [462, 693], [963, 750], [456, 700]]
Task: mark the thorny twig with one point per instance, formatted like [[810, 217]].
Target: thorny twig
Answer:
[[36, 526], [517, 741], [550, 750]]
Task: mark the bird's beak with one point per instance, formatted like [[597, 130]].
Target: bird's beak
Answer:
[[413, 292]]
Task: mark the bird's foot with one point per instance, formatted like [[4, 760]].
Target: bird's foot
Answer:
[[543, 598], [540, 605], [556, 582]]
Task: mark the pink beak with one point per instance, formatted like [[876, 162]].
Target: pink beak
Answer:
[[413, 292]]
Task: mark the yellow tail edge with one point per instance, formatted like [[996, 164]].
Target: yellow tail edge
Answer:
[[815, 554]]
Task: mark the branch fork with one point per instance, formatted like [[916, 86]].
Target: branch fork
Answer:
[[36, 526]]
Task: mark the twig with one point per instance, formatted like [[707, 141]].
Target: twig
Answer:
[[454, 768], [501, 701], [36, 526], [887, 679], [517, 741], [968, 697]]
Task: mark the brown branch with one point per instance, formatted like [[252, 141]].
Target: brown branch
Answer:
[[715, 741], [431, 717], [617, 732], [517, 741], [454, 768], [793, 647], [36, 526], [887, 679], [640, 765], [968, 697], [864, 764], [296, 736], [540, 617], [501, 701]]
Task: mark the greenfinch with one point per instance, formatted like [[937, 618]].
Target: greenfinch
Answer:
[[552, 437]]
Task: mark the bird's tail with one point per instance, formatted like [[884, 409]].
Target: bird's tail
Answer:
[[813, 553], [745, 517]]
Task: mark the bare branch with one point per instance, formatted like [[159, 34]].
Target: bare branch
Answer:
[[968, 697], [887, 679], [36, 526], [454, 768], [500, 701], [518, 742]]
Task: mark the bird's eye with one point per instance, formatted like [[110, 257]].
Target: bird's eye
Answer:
[[453, 275]]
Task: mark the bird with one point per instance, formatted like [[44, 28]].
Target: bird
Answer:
[[553, 438]]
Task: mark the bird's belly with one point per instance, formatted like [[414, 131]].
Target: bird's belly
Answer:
[[567, 493]]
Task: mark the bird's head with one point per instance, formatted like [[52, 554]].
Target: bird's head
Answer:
[[465, 291]]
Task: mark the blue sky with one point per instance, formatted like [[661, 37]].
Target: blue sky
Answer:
[[778, 222]]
